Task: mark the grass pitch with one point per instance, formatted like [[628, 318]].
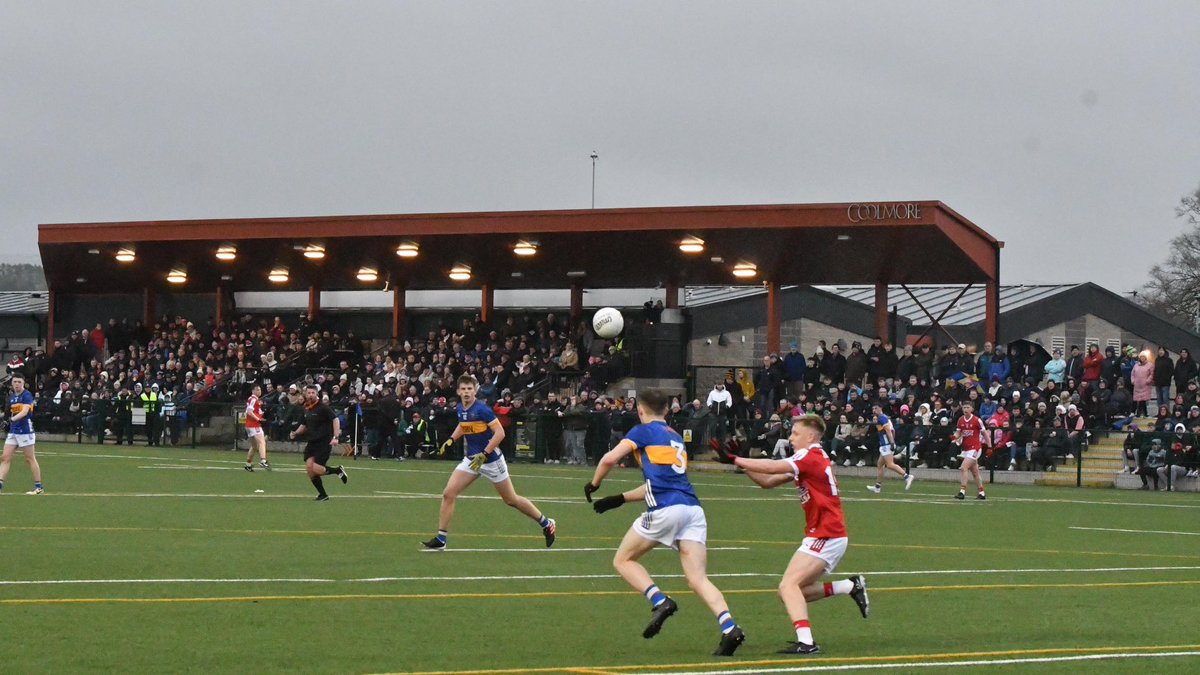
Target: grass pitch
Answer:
[[157, 560]]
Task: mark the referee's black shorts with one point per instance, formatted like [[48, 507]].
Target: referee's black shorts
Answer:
[[319, 451]]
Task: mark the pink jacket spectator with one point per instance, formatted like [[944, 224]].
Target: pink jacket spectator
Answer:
[[1143, 381]]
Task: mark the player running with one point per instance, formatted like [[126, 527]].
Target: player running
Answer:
[[970, 436], [20, 434], [254, 430], [484, 433], [825, 538], [673, 518], [887, 446]]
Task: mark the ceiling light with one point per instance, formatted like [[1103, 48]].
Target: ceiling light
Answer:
[[525, 248], [94, 251], [691, 245], [368, 274], [226, 277], [314, 251], [407, 250], [78, 280], [745, 270], [226, 252], [177, 276], [843, 237], [577, 273], [278, 275], [126, 255], [460, 272]]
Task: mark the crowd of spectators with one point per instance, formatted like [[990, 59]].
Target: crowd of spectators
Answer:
[[95, 379], [1039, 408]]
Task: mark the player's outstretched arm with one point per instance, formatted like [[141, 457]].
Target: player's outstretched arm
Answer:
[[768, 480], [610, 459], [769, 466]]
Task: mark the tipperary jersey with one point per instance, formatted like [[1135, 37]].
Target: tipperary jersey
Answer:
[[17, 403], [663, 458], [881, 425], [474, 423]]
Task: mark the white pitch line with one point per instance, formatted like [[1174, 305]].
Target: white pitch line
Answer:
[[558, 577], [559, 550], [1115, 529], [926, 664]]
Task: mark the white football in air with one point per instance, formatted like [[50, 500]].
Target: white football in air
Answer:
[[608, 323]]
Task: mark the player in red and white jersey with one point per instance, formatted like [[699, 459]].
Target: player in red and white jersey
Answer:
[[825, 539], [254, 430], [971, 436]]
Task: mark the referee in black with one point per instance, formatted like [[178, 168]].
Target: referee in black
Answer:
[[321, 429]]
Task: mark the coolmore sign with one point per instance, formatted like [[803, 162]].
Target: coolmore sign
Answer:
[[861, 213]]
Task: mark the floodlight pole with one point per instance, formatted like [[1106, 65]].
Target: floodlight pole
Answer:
[[595, 156]]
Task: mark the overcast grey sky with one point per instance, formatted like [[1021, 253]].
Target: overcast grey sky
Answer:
[[1066, 129]]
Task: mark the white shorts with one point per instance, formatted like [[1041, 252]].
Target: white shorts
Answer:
[[828, 550], [496, 471], [971, 454], [671, 523], [251, 432], [20, 440], [885, 450]]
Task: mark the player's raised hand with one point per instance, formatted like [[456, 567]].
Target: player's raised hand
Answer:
[[608, 503], [478, 461], [588, 489], [445, 447]]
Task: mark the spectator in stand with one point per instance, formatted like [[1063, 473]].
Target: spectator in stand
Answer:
[[795, 366], [923, 362], [1156, 461], [856, 365], [1093, 366], [738, 408], [1110, 370], [1001, 367], [833, 365], [1186, 370], [1164, 373], [1075, 364], [1056, 368], [1076, 428], [1142, 376], [765, 382], [905, 366], [747, 386], [983, 362]]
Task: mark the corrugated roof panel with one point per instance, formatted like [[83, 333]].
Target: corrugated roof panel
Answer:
[[24, 302]]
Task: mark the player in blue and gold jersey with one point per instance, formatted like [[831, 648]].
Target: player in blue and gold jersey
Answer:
[[483, 433], [20, 434], [673, 518]]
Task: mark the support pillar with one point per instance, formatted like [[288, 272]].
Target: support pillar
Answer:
[[672, 291], [487, 302], [51, 301], [576, 301], [991, 321], [398, 314], [219, 316], [149, 307], [314, 304], [773, 321], [881, 310]]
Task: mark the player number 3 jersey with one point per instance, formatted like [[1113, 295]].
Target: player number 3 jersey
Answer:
[[818, 492], [663, 458]]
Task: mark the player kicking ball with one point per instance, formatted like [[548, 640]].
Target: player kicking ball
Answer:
[[483, 431], [825, 541], [673, 518]]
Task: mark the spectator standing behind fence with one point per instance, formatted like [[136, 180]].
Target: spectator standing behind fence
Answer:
[[575, 424], [856, 365], [1164, 372], [795, 366], [720, 402], [1142, 376]]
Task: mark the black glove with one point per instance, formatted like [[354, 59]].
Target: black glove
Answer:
[[588, 489], [608, 503]]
